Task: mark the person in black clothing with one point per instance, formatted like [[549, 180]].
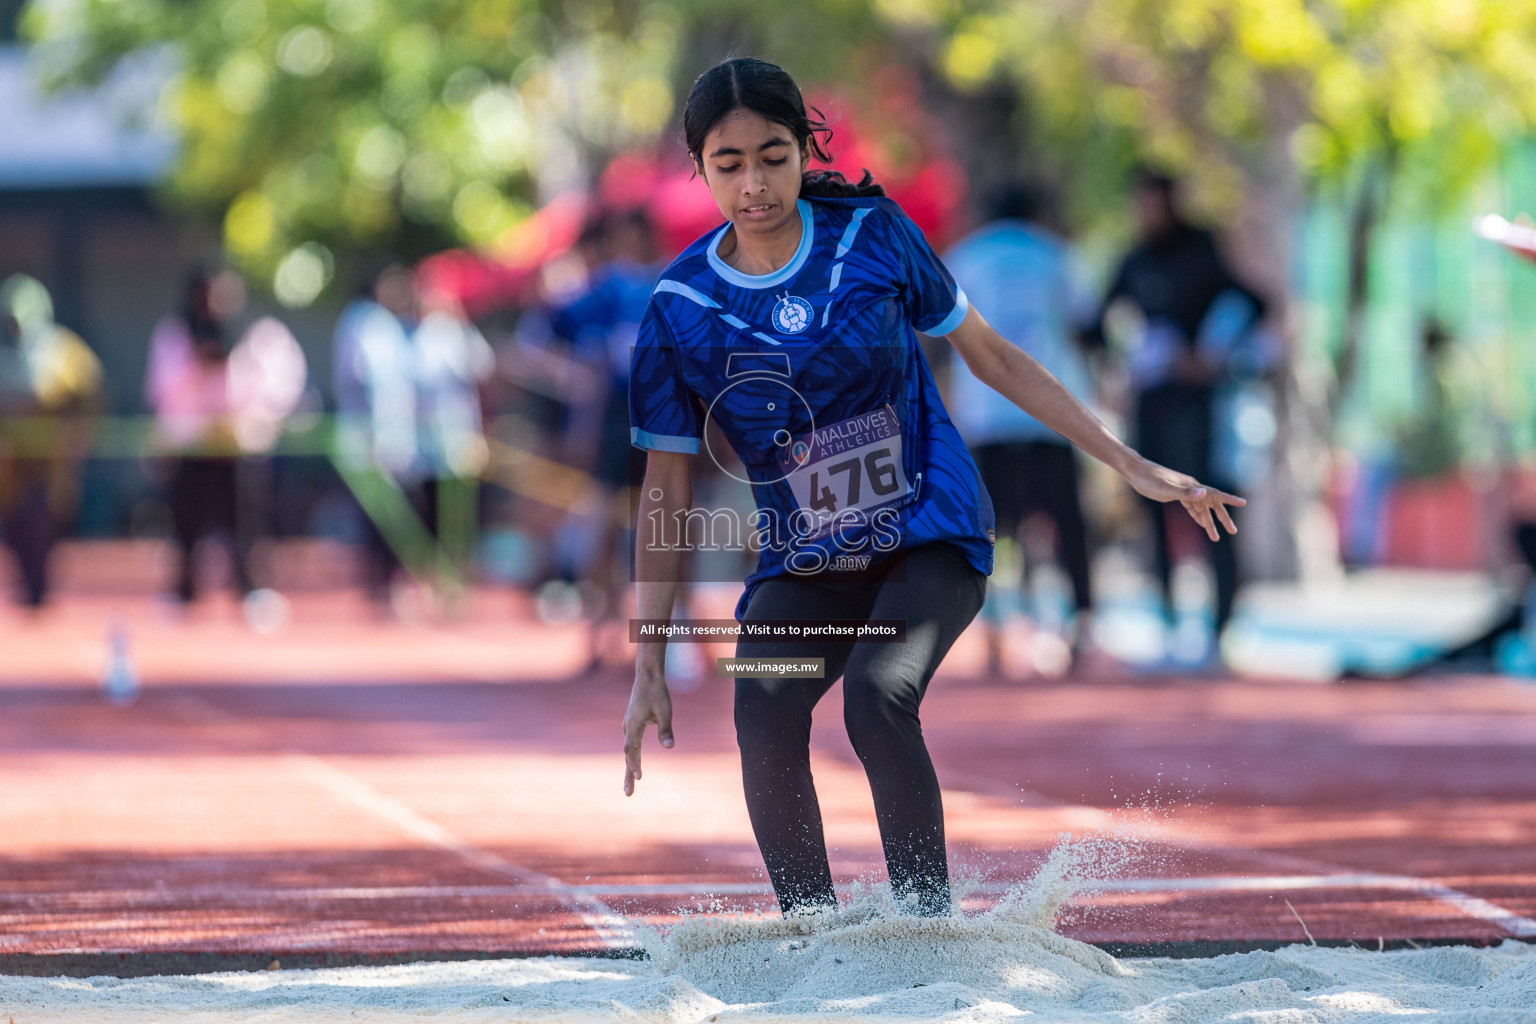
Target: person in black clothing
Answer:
[[1176, 277], [187, 388]]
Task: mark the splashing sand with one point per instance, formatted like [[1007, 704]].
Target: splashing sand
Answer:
[[864, 962]]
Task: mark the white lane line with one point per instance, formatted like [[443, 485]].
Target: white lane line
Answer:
[[616, 932], [610, 928], [533, 882], [1472, 906], [55, 902], [1167, 832]]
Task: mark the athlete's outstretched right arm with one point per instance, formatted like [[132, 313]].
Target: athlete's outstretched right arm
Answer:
[[1016, 375], [667, 490]]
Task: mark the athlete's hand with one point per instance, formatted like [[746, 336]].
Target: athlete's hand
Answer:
[[649, 702], [1206, 505]]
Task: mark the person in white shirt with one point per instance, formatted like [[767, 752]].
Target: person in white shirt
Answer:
[[1028, 281], [375, 381], [452, 361]]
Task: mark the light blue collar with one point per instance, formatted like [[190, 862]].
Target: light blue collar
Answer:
[[784, 273]]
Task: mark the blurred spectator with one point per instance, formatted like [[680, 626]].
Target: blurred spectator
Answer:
[[1425, 446], [267, 373], [1431, 442], [1194, 312], [375, 377], [49, 382], [560, 392], [1026, 281], [187, 387], [601, 326], [212, 405], [452, 361]]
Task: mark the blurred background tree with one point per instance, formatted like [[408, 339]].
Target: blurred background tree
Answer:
[[309, 125], [1260, 102], [316, 128], [312, 126]]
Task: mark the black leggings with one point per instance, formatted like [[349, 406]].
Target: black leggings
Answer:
[[937, 592], [206, 498], [1174, 428]]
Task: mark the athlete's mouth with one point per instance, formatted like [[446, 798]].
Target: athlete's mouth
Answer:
[[758, 208]]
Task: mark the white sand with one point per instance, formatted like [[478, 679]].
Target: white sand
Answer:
[[867, 962]]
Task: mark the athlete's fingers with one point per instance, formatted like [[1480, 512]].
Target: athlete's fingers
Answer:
[[664, 728], [1225, 517], [634, 731], [1202, 515], [631, 769]]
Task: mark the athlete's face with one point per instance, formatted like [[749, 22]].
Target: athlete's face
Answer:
[[753, 167]]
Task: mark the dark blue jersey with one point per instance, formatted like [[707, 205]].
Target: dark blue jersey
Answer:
[[816, 380], [603, 321]]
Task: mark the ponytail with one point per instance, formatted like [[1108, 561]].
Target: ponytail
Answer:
[[833, 185]]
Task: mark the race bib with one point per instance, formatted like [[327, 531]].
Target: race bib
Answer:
[[854, 464]]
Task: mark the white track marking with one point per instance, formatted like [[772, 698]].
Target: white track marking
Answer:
[[1472, 906], [1326, 877], [616, 933], [1520, 927], [531, 882], [612, 929]]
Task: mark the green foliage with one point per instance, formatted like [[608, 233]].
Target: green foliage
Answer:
[[313, 125], [308, 125], [1430, 88]]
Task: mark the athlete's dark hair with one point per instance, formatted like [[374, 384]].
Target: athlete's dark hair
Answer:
[[766, 89]]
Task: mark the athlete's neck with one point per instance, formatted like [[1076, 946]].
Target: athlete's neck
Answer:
[[762, 250]]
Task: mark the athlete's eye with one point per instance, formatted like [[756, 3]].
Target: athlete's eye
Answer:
[[728, 170], [776, 163]]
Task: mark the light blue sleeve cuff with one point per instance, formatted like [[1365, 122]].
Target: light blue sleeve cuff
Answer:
[[663, 442], [949, 323]]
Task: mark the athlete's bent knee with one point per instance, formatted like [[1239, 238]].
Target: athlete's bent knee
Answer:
[[879, 713]]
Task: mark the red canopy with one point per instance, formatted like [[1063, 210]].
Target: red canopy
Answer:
[[508, 270]]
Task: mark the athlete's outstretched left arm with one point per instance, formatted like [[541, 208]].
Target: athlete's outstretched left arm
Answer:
[[1016, 375]]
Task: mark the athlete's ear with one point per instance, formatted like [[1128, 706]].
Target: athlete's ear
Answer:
[[698, 168]]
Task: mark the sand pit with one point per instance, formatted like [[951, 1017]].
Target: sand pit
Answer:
[[877, 971], [866, 962]]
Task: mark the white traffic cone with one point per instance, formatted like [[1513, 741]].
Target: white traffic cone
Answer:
[[120, 682]]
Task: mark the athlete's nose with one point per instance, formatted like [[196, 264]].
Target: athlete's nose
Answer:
[[754, 182]]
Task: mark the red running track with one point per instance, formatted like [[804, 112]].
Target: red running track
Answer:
[[347, 789]]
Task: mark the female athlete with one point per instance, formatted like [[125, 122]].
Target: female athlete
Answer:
[[792, 328]]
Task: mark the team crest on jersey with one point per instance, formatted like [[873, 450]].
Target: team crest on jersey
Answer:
[[792, 315]]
